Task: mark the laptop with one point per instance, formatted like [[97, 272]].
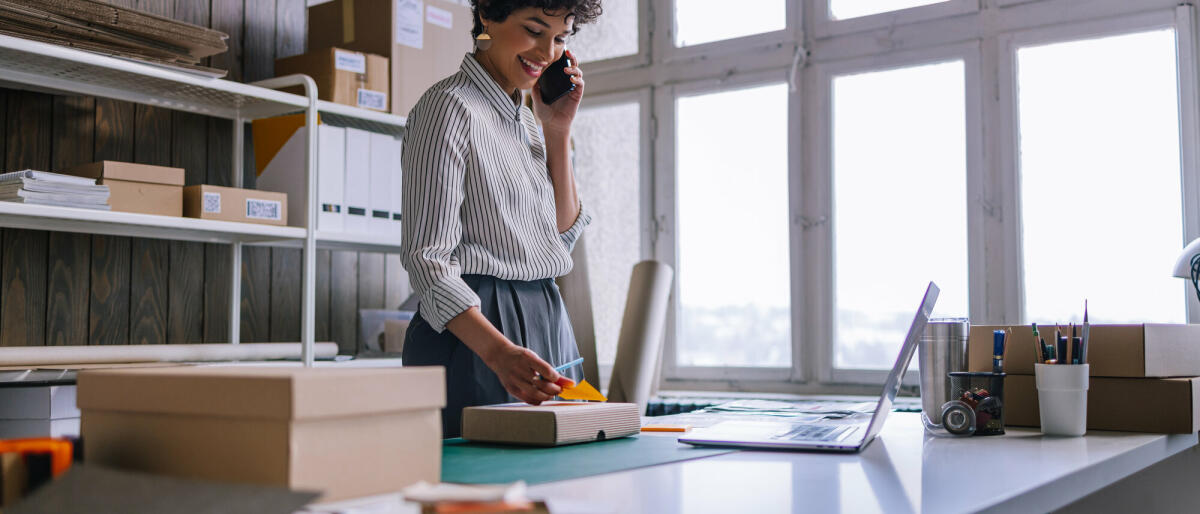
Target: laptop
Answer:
[[824, 435]]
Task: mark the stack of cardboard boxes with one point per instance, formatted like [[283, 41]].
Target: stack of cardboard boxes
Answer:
[[1144, 378], [147, 189], [376, 54]]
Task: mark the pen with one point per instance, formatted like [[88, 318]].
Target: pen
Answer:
[[569, 365], [1039, 352], [1076, 344], [997, 351], [1083, 346], [564, 367]]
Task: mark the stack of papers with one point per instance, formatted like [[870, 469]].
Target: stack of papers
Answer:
[[45, 188], [122, 32]]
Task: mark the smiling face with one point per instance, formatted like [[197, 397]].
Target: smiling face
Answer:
[[523, 45]]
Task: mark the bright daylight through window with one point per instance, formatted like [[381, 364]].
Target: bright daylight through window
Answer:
[[734, 292], [705, 21], [900, 196], [1100, 184]]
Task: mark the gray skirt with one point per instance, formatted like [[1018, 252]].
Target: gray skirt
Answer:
[[529, 313]]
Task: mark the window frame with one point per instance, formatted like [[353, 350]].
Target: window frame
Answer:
[[663, 72], [666, 247], [821, 240], [1182, 20], [642, 98], [825, 26]]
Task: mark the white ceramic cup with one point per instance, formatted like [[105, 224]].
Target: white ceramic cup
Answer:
[[1062, 398]]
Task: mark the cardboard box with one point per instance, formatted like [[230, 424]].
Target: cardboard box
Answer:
[[1160, 405], [1150, 350], [235, 204], [342, 76], [424, 40], [140, 188], [551, 423], [346, 432]]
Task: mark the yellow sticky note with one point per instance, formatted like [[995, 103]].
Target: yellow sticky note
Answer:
[[582, 391]]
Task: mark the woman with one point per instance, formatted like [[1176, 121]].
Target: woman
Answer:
[[491, 212]]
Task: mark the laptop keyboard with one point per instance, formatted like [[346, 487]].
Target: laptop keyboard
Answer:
[[814, 433]]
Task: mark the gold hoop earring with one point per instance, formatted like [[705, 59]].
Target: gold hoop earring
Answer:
[[483, 41]]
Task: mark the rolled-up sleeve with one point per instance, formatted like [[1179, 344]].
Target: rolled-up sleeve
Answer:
[[572, 234], [434, 166]]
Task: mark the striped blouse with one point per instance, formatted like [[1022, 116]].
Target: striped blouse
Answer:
[[477, 194]]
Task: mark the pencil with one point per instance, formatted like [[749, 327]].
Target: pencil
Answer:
[[1038, 350]]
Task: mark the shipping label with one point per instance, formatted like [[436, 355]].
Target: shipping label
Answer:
[[372, 99], [260, 209], [212, 203], [439, 17], [349, 61]]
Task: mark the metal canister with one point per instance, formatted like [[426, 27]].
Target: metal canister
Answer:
[[943, 349]]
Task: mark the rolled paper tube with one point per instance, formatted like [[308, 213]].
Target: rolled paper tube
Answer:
[[105, 354]]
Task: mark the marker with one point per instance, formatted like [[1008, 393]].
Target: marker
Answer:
[[997, 351], [1076, 344], [1062, 350]]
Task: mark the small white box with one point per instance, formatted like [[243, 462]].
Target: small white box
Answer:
[[21, 428]]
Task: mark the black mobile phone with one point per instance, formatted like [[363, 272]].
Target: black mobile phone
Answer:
[[555, 82]]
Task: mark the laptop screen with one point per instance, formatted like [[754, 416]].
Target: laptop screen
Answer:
[[892, 385]]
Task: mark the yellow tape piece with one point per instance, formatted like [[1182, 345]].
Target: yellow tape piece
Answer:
[[582, 391]]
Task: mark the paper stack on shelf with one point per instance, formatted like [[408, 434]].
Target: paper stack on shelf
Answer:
[[117, 31], [46, 188]]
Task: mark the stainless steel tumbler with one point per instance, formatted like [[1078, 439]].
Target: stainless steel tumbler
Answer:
[[943, 349]]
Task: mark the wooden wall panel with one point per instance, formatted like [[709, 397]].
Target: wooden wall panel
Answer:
[[343, 301], [67, 288], [23, 266], [62, 288]]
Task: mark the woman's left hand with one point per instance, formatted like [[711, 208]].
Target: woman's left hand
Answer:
[[557, 117]]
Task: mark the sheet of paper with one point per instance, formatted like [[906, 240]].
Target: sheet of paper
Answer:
[[410, 25], [582, 391]]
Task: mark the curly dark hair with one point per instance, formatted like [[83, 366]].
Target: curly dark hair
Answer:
[[584, 11]]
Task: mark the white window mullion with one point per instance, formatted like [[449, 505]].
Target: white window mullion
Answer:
[[1186, 24], [663, 221]]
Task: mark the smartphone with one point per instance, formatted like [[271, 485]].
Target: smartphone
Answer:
[[554, 81]]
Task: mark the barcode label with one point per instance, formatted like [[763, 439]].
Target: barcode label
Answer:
[[212, 203], [263, 209], [349, 61], [372, 99]]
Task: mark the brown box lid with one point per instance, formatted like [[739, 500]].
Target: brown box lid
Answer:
[[129, 171], [1149, 350], [262, 392], [1160, 405]]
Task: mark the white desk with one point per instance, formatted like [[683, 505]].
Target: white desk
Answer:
[[902, 471]]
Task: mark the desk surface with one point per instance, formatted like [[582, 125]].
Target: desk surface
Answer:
[[902, 471]]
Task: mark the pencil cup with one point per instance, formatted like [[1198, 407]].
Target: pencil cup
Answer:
[[1062, 398]]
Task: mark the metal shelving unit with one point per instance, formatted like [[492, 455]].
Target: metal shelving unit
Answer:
[[32, 65]]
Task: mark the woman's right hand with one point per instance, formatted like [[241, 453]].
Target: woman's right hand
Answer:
[[519, 368]]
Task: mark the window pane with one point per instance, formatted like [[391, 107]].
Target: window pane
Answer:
[[613, 34], [845, 9], [704, 21], [607, 158], [900, 205], [733, 229], [1100, 179]]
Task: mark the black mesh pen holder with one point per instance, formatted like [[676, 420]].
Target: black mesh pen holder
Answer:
[[978, 404]]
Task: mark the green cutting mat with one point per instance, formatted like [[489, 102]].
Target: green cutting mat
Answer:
[[479, 463]]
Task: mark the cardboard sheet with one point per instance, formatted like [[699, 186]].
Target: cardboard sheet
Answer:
[[478, 463], [90, 488]]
